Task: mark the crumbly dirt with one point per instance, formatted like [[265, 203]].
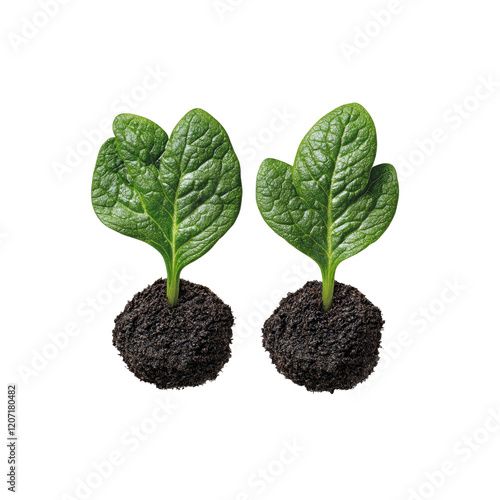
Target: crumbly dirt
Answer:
[[175, 347], [324, 351]]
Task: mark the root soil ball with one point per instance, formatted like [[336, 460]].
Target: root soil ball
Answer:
[[324, 351], [174, 347]]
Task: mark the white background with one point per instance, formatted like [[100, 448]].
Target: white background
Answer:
[[434, 273]]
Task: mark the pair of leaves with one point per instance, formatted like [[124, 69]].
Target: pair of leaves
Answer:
[[330, 204], [180, 195]]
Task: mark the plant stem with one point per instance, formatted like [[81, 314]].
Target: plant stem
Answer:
[[328, 287], [173, 280]]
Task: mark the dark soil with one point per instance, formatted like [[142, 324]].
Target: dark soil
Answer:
[[174, 347], [324, 351]]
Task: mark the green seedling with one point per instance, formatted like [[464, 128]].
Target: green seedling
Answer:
[[179, 195], [330, 204]]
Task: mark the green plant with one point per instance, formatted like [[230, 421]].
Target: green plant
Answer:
[[180, 195], [330, 204]]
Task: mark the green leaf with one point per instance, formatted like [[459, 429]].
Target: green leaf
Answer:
[[330, 204], [179, 195]]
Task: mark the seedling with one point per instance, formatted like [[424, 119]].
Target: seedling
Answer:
[[179, 195], [330, 204]]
